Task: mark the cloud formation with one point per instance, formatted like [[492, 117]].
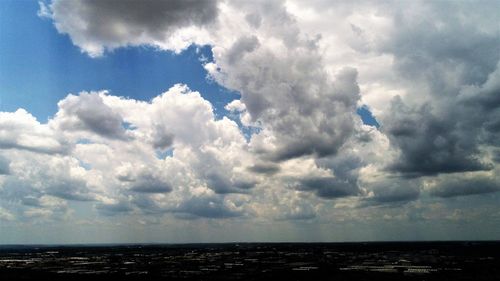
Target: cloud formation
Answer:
[[428, 71], [463, 186], [20, 130], [87, 112], [97, 26]]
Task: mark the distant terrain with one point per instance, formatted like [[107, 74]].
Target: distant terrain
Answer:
[[255, 261]]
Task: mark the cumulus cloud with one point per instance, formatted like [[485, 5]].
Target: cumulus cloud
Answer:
[[208, 207], [143, 179], [245, 44], [393, 191], [432, 144], [428, 71], [113, 207], [99, 25], [87, 112], [265, 168], [39, 175], [285, 89], [117, 167], [437, 132], [435, 52], [328, 187], [463, 186], [21, 130]]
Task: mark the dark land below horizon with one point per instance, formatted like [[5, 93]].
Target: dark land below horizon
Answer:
[[459, 260]]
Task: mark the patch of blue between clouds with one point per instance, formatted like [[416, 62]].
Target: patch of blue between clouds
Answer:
[[367, 116], [84, 141], [128, 126], [162, 154], [248, 131], [85, 165]]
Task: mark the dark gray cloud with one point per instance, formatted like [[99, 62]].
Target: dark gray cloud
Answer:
[[268, 168], [393, 191], [147, 205], [485, 97], [432, 144], [31, 200], [115, 208], [61, 148], [71, 192], [481, 107], [148, 183], [97, 24], [4, 166], [68, 188], [496, 156], [306, 215], [16, 190], [243, 45], [465, 186], [345, 166], [144, 180], [87, 111], [328, 187], [220, 183], [448, 63], [162, 139], [188, 208], [207, 207], [254, 19], [401, 195]]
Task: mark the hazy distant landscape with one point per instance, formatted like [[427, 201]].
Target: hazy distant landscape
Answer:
[[255, 261]]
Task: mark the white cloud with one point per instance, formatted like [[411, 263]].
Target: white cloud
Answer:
[[20, 130]]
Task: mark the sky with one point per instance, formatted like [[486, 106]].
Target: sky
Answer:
[[225, 121]]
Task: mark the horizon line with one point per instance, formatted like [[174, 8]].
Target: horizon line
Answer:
[[241, 242]]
